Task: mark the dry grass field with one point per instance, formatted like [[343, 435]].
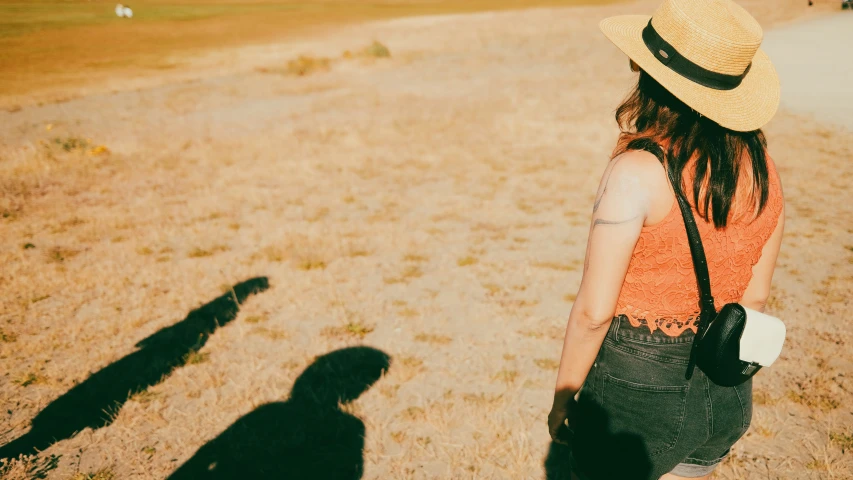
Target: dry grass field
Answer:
[[175, 257], [60, 48]]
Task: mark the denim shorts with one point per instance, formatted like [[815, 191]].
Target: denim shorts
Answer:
[[639, 418]]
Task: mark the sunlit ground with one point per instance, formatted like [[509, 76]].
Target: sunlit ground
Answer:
[[45, 44], [173, 257]]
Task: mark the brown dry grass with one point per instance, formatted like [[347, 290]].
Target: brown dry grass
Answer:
[[48, 45], [429, 204]]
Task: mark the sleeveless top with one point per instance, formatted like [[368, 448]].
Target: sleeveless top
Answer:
[[660, 291]]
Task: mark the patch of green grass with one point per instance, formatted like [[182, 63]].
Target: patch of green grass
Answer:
[[844, 441], [34, 15], [8, 337], [144, 396], [60, 254], [194, 358], [48, 43], [30, 379], [358, 329], [20, 17], [71, 144], [822, 400], [377, 50]]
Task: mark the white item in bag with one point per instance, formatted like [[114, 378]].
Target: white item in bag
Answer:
[[762, 339]]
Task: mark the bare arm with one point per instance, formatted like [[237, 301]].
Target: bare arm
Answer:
[[758, 290], [620, 210]]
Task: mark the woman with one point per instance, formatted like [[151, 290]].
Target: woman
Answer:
[[704, 91]]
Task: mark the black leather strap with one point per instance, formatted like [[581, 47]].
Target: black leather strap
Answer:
[[700, 265], [707, 310], [669, 56]]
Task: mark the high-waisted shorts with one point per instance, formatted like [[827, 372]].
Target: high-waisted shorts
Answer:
[[639, 418]]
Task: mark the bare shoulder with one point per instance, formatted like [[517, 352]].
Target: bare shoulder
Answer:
[[640, 168], [631, 183], [639, 177]]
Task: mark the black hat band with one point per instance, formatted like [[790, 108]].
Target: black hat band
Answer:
[[669, 56]]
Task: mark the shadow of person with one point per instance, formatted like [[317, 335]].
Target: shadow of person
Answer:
[[96, 401], [603, 455], [306, 437]]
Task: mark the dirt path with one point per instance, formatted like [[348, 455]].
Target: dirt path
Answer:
[[813, 59]]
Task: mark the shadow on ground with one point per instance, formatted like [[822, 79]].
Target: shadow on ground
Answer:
[[604, 454], [96, 401], [306, 437]]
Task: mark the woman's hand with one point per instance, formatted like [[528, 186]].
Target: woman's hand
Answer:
[[561, 414]]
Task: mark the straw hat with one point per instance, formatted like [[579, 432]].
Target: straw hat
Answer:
[[706, 53]]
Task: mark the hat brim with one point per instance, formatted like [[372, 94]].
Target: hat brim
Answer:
[[747, 107]]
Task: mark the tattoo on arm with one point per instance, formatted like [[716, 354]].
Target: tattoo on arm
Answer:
[[626, 199], [601, 221], [604, 190], [598, 200]]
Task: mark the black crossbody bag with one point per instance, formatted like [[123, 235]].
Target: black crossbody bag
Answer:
[[722, 340]]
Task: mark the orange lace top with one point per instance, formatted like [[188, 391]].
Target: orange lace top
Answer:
[[660, 290]]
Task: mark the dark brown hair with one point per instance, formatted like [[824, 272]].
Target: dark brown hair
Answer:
[[652, 119]]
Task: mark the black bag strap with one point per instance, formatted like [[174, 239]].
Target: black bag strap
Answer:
[[707, 310]]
